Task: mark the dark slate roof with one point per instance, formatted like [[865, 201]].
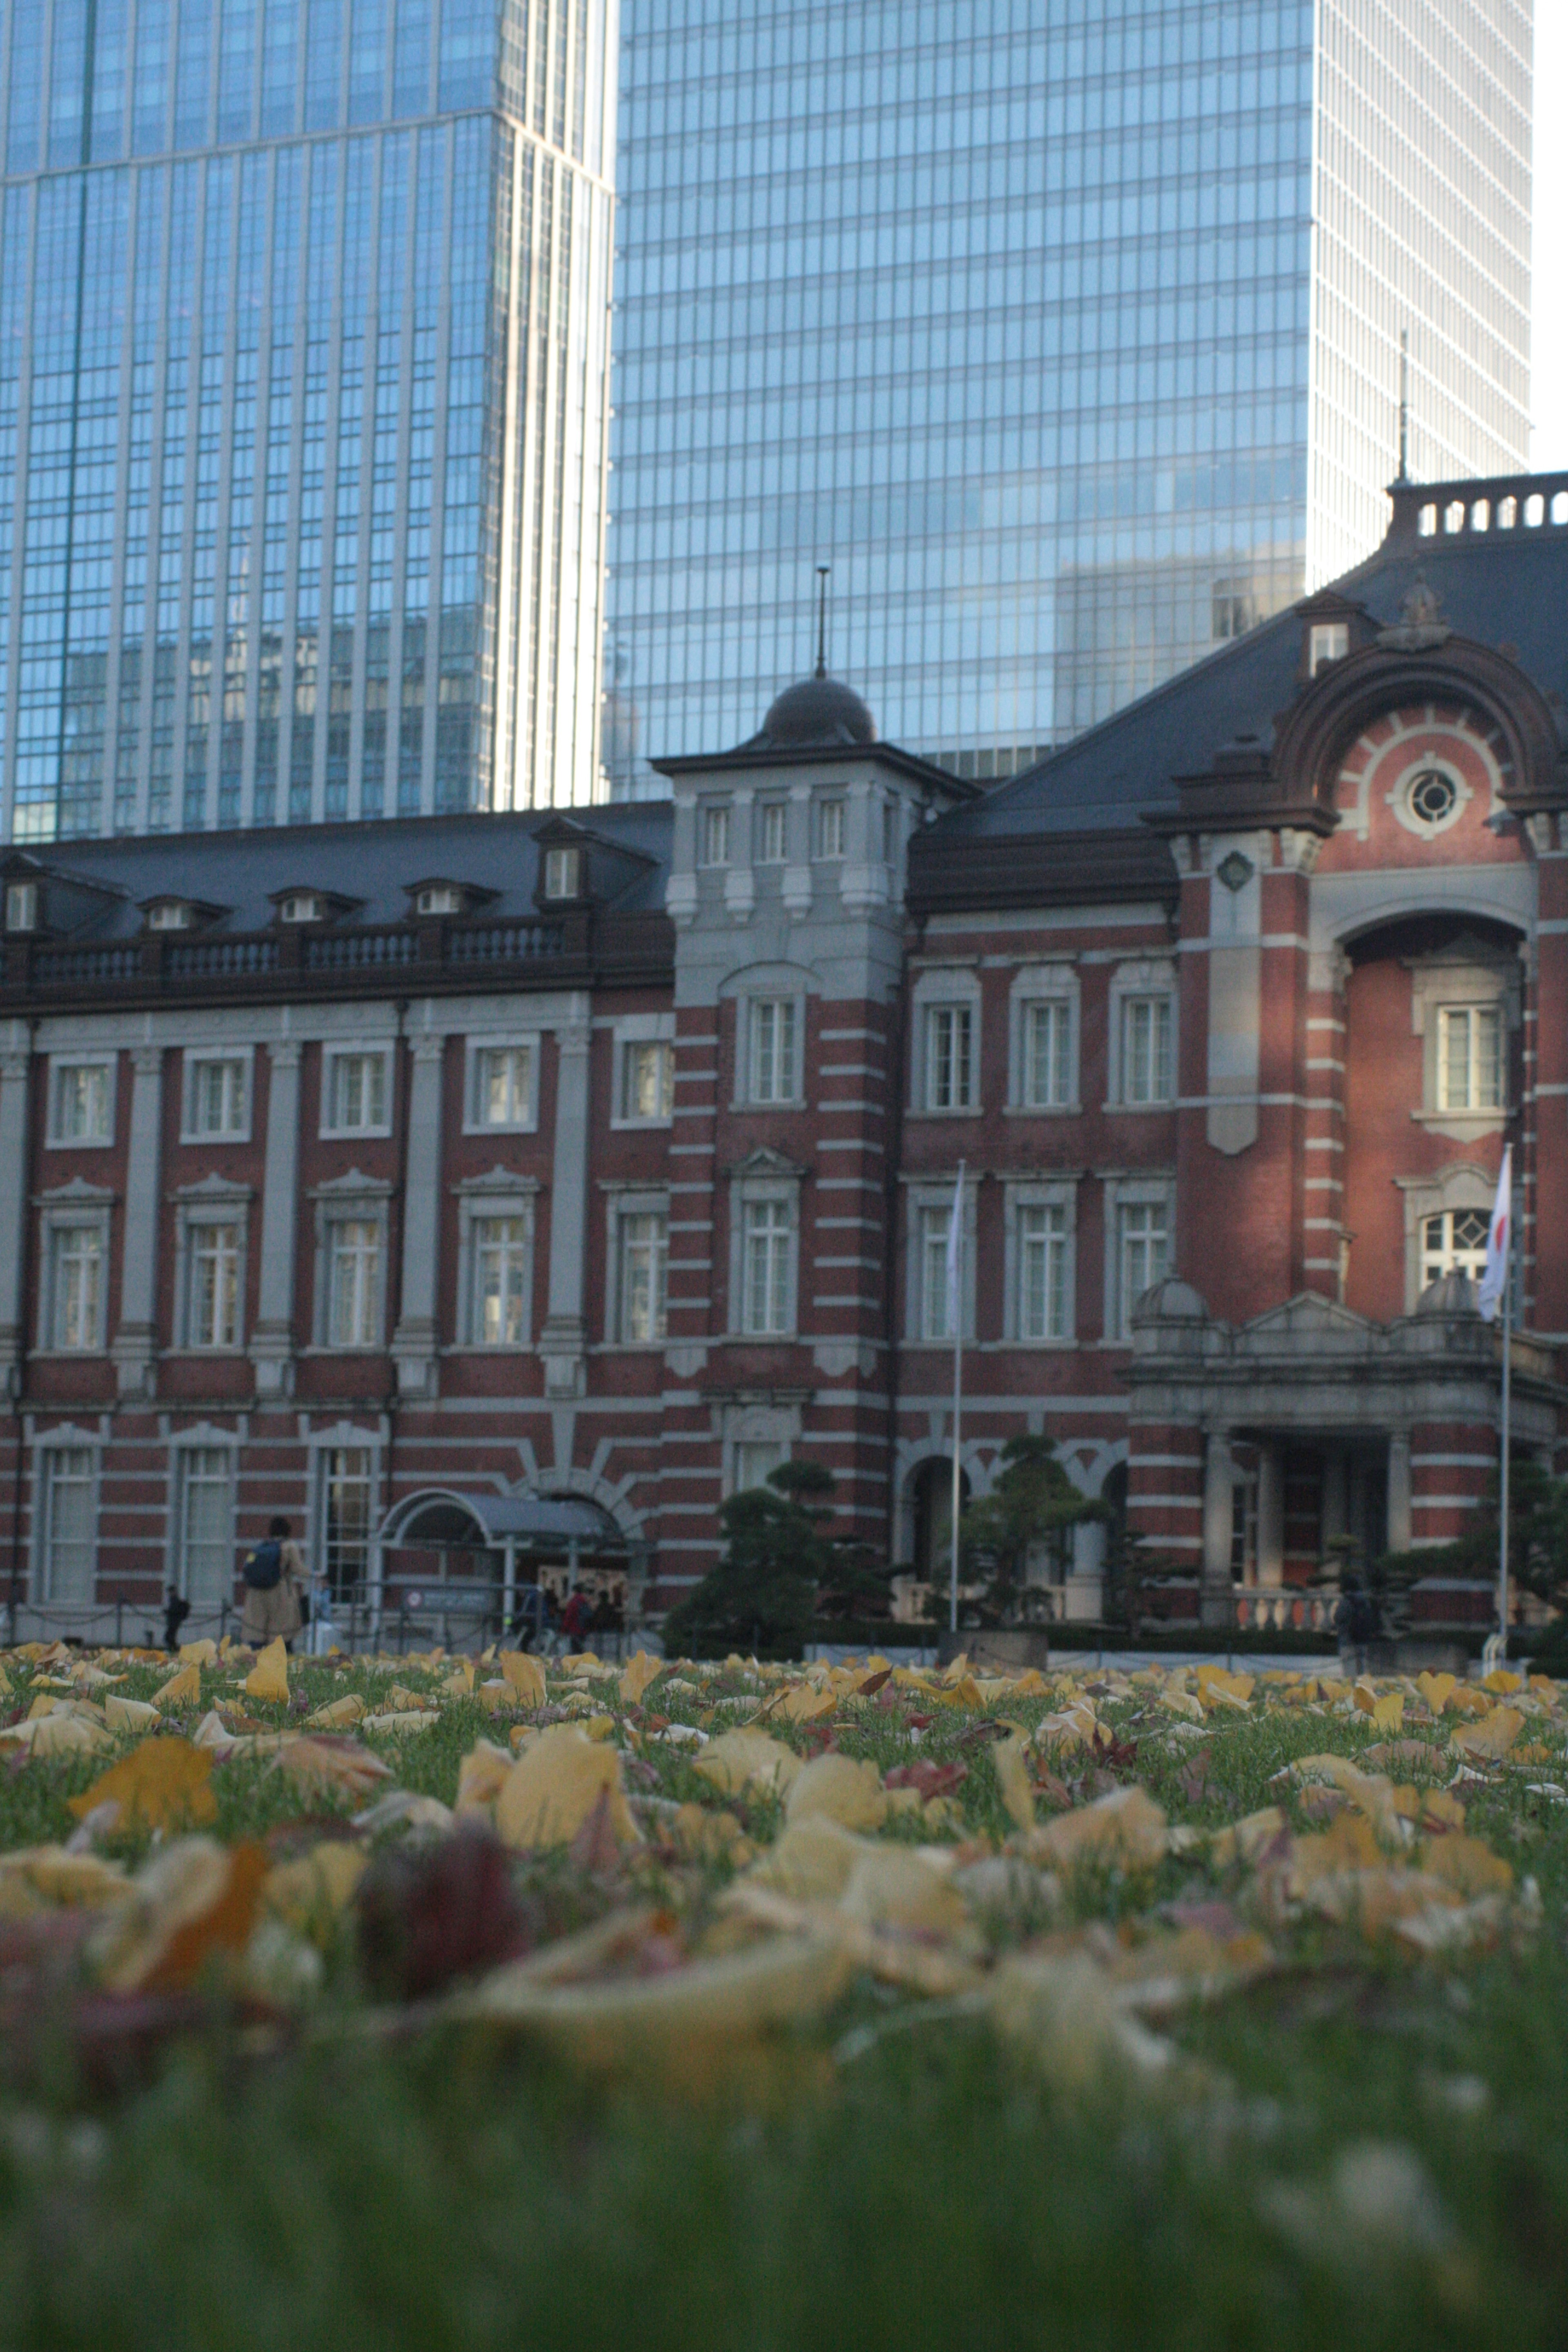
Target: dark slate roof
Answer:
[[1503, 588], [373, 865]]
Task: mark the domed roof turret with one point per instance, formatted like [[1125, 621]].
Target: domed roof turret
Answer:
[[1451, 1293], [816, 715], [1171, 1301]]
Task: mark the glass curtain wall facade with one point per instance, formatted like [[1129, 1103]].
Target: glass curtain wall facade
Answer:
[[1014, 313], [303, 403]]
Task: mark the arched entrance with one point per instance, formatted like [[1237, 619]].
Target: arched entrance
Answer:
[[456, 1559]]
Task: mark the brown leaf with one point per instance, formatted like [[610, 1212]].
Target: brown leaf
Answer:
[[931, 1779], [1193, 1777], [328, 1763], [439, 1912], [595, 1848]]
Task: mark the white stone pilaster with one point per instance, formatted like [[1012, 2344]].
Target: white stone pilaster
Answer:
[[135, 1344], [562, 1340], [14, 1069], [272, 1341], [413, 1342]]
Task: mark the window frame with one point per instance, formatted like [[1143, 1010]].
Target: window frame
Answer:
[[628, 1035], [499, 1193], [1145, 1191], [1130, 982], [836, 804], [715, 836], [182, 1450], [749, 1094], [353, 1198], [931, 1198], [522, 1041], [753, 1190], [197, 1209], [1474, 1013], [65, 1439], [199, 1057], [942, 988], [1022, 1201], [773, 819], [333, 1054], [71, 1207], [1037, 986], [324, 1445], [1438, 987], [59, 1065], [625, 1205]]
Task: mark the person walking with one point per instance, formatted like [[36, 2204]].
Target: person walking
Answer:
[[1355, 1623], [575, 1616], [529, 1616], [275, 1578]]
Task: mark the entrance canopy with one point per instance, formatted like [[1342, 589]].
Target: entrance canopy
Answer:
[[521, 1524]]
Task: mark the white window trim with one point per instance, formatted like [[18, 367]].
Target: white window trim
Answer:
[[631, 1201], [67, 1437], [1437, 987], [58, 1063], [319, 1444], [348, 1049], [1131, 1192], [1462, 1186], [1043, 984], [183, 1442], [77, 1204], [508, 1042], [746, 1007], [704, 809], [821, 855], [754, 1185], [214, 1202], [499, 1193], [1152, 977], [194, 1056], [940, 986], [350, 1198], [757, 1425], [1037, 1194], [920, 1200], [638, 1029]]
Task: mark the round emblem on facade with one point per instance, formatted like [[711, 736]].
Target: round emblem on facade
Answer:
[[1433, 796]]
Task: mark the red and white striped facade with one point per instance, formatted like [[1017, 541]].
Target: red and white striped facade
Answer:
[[615, 1161]]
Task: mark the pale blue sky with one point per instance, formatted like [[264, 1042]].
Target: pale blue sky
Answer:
[[1549, 326]]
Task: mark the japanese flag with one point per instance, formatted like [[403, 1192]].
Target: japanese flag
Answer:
[[1499, 1242], [956, 1257]]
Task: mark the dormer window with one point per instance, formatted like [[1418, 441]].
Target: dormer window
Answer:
[[303, 907], [563, 873], [439, 898], [770, 848], [1328, 641], [21, 905], [716, 834], [169, 915]]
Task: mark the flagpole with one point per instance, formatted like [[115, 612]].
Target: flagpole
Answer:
[[957, 1394], [1503, 1466]]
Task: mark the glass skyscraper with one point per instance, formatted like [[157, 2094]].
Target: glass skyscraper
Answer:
[[1066, 332], [303, 403]]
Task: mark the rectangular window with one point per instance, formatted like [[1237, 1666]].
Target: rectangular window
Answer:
[[1042, 1312], [948, 1031], [936, 1321], [501, 1274], [206, 1522], [1146, 1058], [77, 1286], [346, 1498], [772, 1049], [217, 1099], [830, 829], [1454, 1241], [358, 1100], [354, 1318], [1470, 1057], [1144, 1255], [81, 1102], [214, 1258], [716, 834], [644, 1264], [1047, 1056], [755, 1460], [67, 1553], [647, 1082], [775, 819], [503, 1086], [1330, 642], [562, 869], [768, 1269]]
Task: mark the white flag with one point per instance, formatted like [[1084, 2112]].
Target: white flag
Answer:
[[956, 1257], [1499, 1241]]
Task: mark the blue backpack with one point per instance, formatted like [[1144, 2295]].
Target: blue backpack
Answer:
[[264, 1565]]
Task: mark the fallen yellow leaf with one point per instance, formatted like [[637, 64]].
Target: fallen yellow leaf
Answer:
[[128, 1713], [269, 1678], [554, 1787], [525, 1674], [1010, 1756], [848, 1792], [160, 1785], [182, 1689], [338, 1713], [745, 1760], [635, 1676], [1492, 1736], [1127, 1827], [311, 1894]]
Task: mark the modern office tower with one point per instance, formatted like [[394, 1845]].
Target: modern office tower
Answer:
[[1067, 332], [304, 353]]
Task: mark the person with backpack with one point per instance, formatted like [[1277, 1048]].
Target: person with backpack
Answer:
[[1355, 1623], [274, 1574], [575, 1616]]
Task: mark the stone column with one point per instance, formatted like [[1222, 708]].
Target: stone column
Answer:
[[15, 1064], [1219, 1524], [272, 1341], [1398, 1536], [1271, 1514], [413, 1342], [135, 1344], [561, 1342]]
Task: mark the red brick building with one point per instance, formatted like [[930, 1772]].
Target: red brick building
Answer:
[[347, 1170]]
